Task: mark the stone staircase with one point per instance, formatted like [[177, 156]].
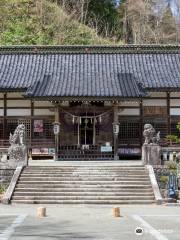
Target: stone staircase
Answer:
[[79, 184]]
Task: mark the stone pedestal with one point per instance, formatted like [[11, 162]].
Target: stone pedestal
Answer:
[[151, 154], [17, 156]]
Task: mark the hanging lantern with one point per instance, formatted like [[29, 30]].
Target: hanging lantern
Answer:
[[80, 120]]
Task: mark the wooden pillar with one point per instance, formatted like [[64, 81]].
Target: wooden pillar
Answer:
[[30, 145], [141, 121], [94, 131], [116, 121], [56, 135], [85, 132], [168, 114], [116, 118], [94, 127], [78, 135], [5, 117], [32, 123], [56, 113]]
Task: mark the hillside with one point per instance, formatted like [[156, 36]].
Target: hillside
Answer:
[[42, 22]]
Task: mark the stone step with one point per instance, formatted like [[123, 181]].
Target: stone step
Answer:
[[93, 174], [90, 174], [98, 186], [80, 193], [83, 166], [85, 176], [84, 182], [82, 198], [77, 178], [108, 168], [83, 201], [70, 168], [86, 190]]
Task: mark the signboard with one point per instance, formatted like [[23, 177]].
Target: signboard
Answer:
[[154, 110], [37, 151], [51, 151], [38, 126], [106, 148], [129, 151]]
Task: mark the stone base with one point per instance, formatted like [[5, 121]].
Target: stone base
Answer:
[[151, 154]]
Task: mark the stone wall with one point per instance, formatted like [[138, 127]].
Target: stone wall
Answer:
[[162, 173], [6, 176]]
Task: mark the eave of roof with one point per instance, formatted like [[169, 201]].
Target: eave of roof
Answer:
[[84, 98], [34, 49]]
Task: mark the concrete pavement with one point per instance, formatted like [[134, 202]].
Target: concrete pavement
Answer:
[[89, 222]]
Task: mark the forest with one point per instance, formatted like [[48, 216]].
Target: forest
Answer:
[[68, 22]]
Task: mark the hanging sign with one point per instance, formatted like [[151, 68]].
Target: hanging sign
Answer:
[[38, 126], [56, 128], [116, 128]]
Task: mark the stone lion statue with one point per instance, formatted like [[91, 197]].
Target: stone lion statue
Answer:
[[17, 150], [150, 134]]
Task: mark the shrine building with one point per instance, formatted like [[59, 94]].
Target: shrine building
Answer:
[[101, 96]]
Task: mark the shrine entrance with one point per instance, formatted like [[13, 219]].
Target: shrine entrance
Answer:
[[86, 131]]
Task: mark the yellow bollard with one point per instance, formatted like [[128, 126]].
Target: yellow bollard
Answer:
[[41, 212], [116, 212]]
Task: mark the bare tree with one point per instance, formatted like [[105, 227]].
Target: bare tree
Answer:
[[149, 21]]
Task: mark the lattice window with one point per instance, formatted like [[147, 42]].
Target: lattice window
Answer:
[[11, 126], [129, 130], [174, 130], [1, 128], [97, 130], [13, 123]]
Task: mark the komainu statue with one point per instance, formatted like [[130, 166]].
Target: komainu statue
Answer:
[[150, 134], [17, 151]]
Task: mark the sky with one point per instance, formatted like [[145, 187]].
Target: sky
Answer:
[[117, 2]]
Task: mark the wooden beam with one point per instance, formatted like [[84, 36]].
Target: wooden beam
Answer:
[[5, 116], [116, 117], [168, 114], [141, 121], [57, 135], [32, 122], [116, 142]]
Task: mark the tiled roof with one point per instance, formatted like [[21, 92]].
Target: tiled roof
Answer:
[[124, 86], [79, 71]]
